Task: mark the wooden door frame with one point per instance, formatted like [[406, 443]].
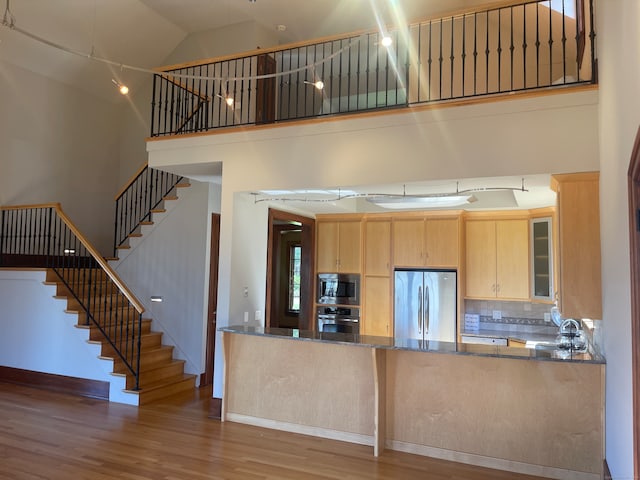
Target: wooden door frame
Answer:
[[308, 255], [207, 377], [634, 251]]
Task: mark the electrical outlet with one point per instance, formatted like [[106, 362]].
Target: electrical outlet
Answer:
[[547, 317], [497, 315], [246, 291], [258, 316], [246, 317]]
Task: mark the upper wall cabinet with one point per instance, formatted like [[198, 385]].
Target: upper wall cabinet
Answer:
[[541, 248], [338, 246], [497, 259], [425, 242], [578, 218], [377, 247]]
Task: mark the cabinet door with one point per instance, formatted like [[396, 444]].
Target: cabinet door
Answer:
[[441, 242], [377, 248], [512, 259], [580, 262], [376, 318], [349, 247], [327, 246], [481, 258], [408, 243]]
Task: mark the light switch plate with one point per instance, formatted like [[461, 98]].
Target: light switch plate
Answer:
[[497, 314]]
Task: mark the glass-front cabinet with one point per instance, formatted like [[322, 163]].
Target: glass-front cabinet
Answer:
[[541, 259]]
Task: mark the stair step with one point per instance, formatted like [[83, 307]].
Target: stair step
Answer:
[[123, 247], [135, 235], [158, 210], [149, 359], [183, 184], [157, 375], [170, 197], [177, 385], [97, 335], [146, 222], [149, 341]]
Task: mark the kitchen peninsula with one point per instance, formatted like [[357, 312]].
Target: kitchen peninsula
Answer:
[[516, 409]]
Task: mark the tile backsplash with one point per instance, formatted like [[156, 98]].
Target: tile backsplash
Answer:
[[514, 313]]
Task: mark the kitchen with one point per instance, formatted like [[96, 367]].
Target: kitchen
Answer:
[[388, 388], [507, 262]]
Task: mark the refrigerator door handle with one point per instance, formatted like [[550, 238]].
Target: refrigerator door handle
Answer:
[[420, 310], [426, 309]]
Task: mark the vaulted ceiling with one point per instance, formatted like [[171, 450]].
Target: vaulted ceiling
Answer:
[[143, 33]]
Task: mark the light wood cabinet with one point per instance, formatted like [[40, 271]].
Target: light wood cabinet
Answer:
[[578, 218], [338, 246], [376, 316], [425, 242], [497, 259], [377, 248]]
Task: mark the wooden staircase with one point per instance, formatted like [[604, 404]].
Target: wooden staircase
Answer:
[[160, 374]]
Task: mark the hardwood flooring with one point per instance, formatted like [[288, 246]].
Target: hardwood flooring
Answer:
[[46, 435]]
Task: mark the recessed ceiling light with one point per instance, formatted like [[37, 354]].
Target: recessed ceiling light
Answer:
[[280, 28]]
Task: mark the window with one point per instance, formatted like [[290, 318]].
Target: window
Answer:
[[295, 254]]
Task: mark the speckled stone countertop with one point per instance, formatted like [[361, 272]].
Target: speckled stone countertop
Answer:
[[541, 352]]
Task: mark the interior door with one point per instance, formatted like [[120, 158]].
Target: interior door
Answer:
[[207, 377]]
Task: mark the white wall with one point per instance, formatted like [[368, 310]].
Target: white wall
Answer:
[[36, 333], [619, 71], [58, 145], [169, 261], [550, 134]]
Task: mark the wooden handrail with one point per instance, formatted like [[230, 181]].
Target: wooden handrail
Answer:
[[90, 248], [103, 263], [131, 180]]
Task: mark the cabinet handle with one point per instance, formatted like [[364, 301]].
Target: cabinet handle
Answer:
[[420, 310]]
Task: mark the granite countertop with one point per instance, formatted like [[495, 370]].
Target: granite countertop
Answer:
[[541, 352]]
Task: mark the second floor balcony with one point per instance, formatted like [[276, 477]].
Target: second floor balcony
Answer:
[[531, 45]]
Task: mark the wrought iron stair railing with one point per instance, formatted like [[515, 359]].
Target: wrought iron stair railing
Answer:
[[531, 45], [138, 199], [42, 236]]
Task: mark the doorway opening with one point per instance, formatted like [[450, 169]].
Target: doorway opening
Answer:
[[290, 254], [634, 248]]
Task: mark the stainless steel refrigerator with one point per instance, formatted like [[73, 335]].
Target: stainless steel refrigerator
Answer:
[[425, 304]]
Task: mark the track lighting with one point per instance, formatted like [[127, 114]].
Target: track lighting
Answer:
[[319, 84], [122, 88]]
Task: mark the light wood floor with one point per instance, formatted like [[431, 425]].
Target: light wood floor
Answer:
[[45, 435]]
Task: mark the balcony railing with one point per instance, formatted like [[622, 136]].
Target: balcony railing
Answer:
[[42, 236], [527, 46]]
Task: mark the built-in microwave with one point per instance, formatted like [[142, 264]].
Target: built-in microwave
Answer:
[[338, 289]]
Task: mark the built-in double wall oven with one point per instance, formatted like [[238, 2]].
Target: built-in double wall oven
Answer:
[[338, 299]]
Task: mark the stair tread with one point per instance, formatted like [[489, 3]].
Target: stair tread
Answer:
[[158, 210], [170, 197], [165, 382], [183, 185], [147, 222], [123, 247]]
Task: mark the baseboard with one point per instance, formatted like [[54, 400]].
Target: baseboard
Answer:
[[303, 429], [490, 462], [58, 383], [215, 408]]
